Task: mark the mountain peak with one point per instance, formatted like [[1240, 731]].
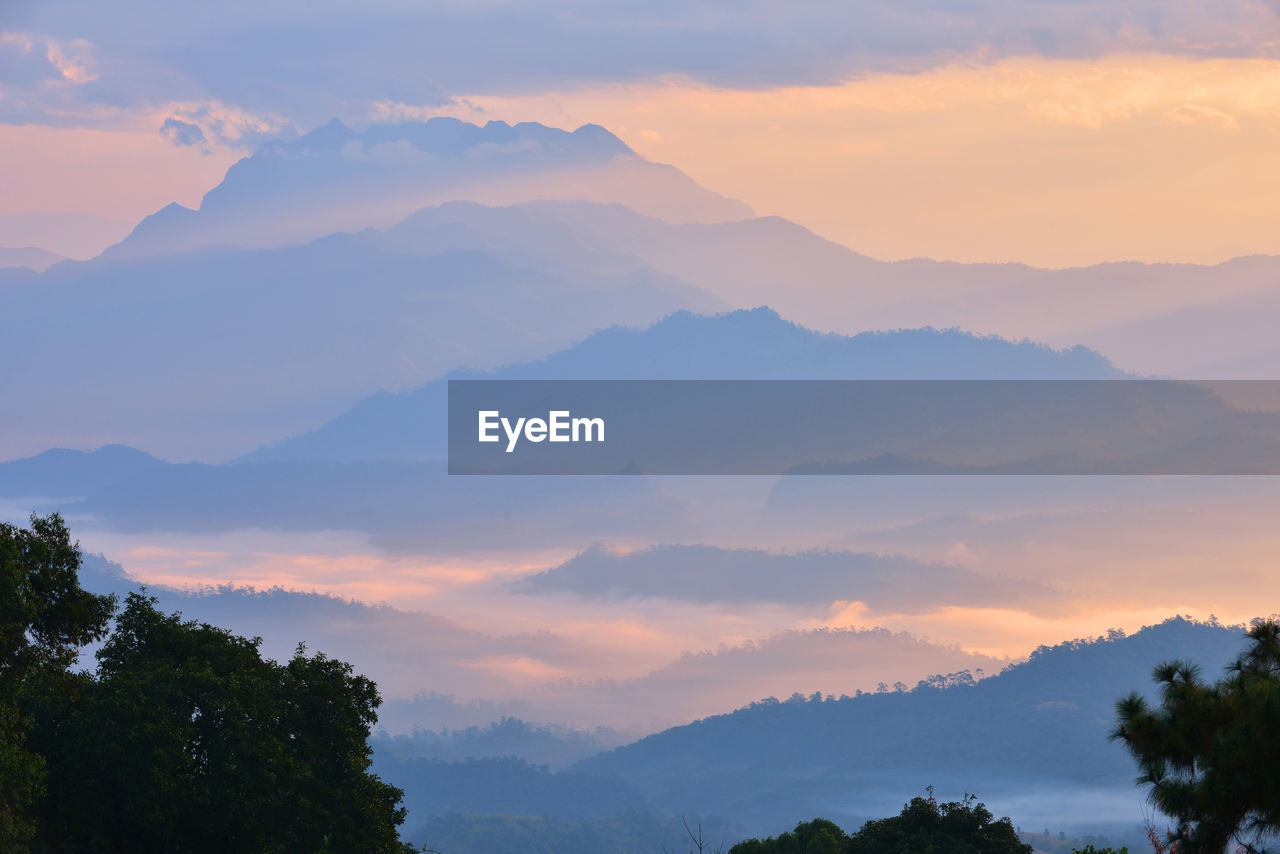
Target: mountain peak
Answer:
[[339, 179], [331, 136]]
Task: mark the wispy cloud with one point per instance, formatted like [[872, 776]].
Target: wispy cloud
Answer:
[[385, 56]]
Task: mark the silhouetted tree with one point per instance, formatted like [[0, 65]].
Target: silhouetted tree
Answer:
[[1210, 752], [187, 740], [45, 617], [810, 837], [923, 827]]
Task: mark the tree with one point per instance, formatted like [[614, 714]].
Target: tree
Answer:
[[926, 827], [45, 617], [812, 837], [187, 740], [923, 827], [1209, 752]]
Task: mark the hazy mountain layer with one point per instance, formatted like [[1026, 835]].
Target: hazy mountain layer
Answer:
[[29, 257], [213, 352], [754, 344], [1141, 315], [1036, 731], [337, 179]]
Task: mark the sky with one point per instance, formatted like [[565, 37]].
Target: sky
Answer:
[[1051, 132], [1054, 133]]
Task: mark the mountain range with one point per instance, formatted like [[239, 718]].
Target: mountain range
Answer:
[[1028, 738], [378, 467], [347, 262], [1031, 736]]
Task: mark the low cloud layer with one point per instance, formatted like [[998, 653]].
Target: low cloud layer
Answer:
[[705, 574]]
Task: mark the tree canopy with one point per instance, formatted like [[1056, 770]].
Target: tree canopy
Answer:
[[1209, 752], [45, 617], [923, 827], [185, 739]]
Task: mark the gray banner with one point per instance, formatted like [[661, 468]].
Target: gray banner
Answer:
[[863, 427]]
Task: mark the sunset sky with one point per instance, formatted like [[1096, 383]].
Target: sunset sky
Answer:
[[1050, 133]]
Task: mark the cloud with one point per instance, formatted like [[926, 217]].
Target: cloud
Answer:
[[830, 661], [392, 59], [210, 123], [31, 58], [1190, 114], [182, 133], [74, 61], [706, 574]]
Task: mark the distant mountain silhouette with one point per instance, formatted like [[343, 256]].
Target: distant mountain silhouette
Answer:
[[30, 257], [67, 235], [407, 651], [401, 505], [337, 179], [1027, 740], [755, 344], [62, 473], [262, 344], [213, 352], [706, 574], [1032, 735], [1140, 315]]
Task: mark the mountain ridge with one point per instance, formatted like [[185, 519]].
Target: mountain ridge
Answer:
[[743, 344], [339, 179]]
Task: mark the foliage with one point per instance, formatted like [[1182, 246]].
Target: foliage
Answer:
[[45, 617], [818, 836], [923, 827], [187, 740], [1209, 751]]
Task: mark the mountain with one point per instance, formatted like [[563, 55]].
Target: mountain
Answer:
[[280, 340], [1034, 737], [410, 507], [423, 661], [552, 745], [62, 473], [401, 650], [338, 179], [67, 235], [705, 574], [756, 344], [213, 352], [28, 256], [1140, 315]]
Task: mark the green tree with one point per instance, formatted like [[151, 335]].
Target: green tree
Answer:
[[1209, 752], [187, 740], [45, 617], [812, 837], [926, 827], [923, 827]]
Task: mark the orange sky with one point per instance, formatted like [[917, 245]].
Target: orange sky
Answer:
[[1051, 162]]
